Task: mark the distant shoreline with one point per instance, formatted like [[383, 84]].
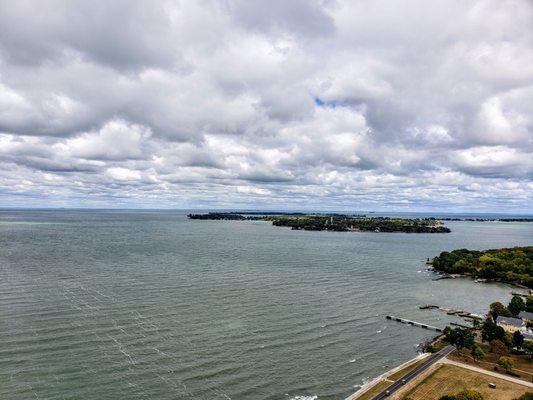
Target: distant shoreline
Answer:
[[334, 222], [444, 276]]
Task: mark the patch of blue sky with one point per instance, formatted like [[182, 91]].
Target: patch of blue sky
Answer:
[[325, 103]]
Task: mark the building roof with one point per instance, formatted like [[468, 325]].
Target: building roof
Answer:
[[525, 315], [510, 321]]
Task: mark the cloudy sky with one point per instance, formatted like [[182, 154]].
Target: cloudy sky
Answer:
[[300, 104]]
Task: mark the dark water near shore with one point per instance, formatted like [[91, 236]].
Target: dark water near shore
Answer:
[[150, 305]]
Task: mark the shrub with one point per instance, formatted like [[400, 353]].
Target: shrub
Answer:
[[477, 352], [506, 363], [469, 395], [526, 396], [464, 395], [498, 347]]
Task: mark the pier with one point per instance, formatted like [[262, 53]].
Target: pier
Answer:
[[461, 325], [521, 294], [451, 311], [414, 323]]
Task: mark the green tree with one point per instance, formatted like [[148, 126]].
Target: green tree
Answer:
[[518, 339], [507, 339], [516, 305], [497, 309], [465, 338], [529, 304], [477, 352], [506, 363], [528, 347], [459, 337], [490, 331], [510, 264]]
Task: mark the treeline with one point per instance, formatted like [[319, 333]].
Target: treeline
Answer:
[[334, 222], [345, 224], [223, 216], [513, 265]]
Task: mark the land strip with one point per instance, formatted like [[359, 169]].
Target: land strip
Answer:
[[335, 222]]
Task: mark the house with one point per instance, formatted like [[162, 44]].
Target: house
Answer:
[[510, 324], [526, 316], [528, 335]]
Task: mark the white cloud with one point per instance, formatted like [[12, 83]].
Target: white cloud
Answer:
[[497, 124], [123, 174], [116, 140], [285, 103]]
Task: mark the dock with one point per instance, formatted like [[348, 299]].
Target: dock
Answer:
[[521, 294], [451, 311], [414, 323], [460, 325]]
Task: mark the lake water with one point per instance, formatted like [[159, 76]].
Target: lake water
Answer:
[[151, 305]]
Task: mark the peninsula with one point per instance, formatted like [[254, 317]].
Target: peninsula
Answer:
[[511, 265], [334, 222]]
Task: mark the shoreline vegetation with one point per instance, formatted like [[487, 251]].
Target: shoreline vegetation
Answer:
[[506, 265], [333, 222]]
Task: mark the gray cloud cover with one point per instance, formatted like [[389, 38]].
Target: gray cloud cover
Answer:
[[404, 105]]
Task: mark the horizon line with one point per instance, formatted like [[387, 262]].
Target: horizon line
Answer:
[[243, 210]]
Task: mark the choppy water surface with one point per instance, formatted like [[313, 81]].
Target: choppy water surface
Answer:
[[150, 305]]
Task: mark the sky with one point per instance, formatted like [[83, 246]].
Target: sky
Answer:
[[281, 104]]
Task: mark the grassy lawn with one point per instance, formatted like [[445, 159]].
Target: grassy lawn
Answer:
[[397, 375], [448, 379], [375, 390], [523, 364], [439, 344]]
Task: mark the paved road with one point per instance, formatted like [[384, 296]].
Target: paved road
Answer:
[[414, 373]]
